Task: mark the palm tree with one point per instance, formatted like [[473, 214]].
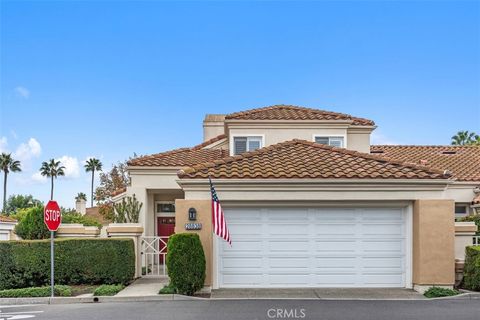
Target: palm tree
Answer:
[[93, 165], [81, 196], [7, 164], [464, 138], [52, 169]]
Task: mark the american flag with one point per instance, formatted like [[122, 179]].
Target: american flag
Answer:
[[218, 217]]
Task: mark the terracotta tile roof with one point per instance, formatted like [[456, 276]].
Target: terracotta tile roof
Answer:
[[94, 212], [287, 112], [304, 159], [183, 157], [462, 161], [118, 191], [4, 218]]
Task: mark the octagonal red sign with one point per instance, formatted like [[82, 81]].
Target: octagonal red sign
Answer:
[[52, 216]]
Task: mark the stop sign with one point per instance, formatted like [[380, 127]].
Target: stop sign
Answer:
[[52, 216]]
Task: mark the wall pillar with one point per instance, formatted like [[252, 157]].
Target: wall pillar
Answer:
[[76, 230], [464, 232], [433, 244], [133, 231], [204, 216]]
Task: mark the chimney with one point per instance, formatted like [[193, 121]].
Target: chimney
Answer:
[[213, 125], [81, 206]]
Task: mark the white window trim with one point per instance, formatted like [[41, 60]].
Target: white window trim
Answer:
[[462, 204], [161, 214], [344, 136], [232, 137]]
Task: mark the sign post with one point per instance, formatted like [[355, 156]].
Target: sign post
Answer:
[[52, 218]]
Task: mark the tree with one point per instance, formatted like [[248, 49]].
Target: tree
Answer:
[[115, 179], [81, 196], [31, 226], [52, 169], [93, 165], [463, 138], [7, 164], [17, 202]]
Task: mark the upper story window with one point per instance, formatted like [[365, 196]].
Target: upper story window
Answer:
[[331, 141], [245, 144], [461, 210]]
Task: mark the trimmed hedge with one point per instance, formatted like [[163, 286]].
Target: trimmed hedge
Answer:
[[60, 291], [471, 271], [108, 289], [186, 263], [77, 261], [437, 292]]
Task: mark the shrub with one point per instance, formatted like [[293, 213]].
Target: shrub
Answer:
[[168, 289], [436, 292], [108, 289], [77, 261], [71, 216], [31, 225], [60, 291], [471, 271], [186, 263]]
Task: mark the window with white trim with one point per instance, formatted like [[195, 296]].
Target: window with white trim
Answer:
[[461, 210], [245, 144], [330, 141]]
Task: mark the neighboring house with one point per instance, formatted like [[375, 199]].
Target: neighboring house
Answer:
[[309, 202], [7, 227]]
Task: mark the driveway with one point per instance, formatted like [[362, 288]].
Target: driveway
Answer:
[[251, 310], [319, 293]]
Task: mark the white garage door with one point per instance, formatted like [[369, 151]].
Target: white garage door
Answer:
[[314, 247], [4, 236]]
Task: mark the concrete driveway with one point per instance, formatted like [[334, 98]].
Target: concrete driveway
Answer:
[[320, 293]]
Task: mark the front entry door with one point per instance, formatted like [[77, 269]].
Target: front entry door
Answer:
[[165, 228]]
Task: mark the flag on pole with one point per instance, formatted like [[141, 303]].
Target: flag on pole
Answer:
[[218, 218]]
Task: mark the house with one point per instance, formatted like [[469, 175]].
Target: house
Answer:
[[309, 202], [7, 227]]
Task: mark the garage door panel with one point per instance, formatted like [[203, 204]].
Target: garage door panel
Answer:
[[314, 247]]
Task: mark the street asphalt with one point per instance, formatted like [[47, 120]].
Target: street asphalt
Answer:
[[251, 310]]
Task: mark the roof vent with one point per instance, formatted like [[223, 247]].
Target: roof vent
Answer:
[[423, 162], [376, 151], [449, 152]]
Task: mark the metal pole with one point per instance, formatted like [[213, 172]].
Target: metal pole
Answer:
[[52, 264]]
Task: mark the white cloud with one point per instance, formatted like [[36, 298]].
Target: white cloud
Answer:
[[22, 92], [26, 151], [3, 144], [379, 138], [72, 167], [37, 177]]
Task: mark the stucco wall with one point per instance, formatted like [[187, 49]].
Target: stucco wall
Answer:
[[433, 242], [204, 211]]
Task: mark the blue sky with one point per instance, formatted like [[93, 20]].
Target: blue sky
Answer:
[[108, 79]]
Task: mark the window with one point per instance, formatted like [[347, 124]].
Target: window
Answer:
[[245, 144], [461, 210], [330, 141], [165, 207]]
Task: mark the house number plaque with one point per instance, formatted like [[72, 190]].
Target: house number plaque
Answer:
[[193, 226]]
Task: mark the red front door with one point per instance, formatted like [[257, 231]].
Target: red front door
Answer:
[[165, 228]]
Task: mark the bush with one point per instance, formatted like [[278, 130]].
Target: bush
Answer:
[[471, 271], [436, 292], [31, 225], [60, 291], [108, 289], [71, 216], [77, 261], [168, 289], [186, 262]]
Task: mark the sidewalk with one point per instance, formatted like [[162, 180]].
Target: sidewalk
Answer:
[[144, 287]]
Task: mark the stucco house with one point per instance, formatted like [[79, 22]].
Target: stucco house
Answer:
[[310, 202]]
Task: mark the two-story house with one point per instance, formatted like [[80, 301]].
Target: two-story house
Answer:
[[309, 202]]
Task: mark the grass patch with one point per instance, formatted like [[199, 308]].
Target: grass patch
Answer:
[[108, 289], [437, 292], [60, 291], [168, 289]]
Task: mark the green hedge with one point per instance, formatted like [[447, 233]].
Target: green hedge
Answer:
[[186, 263], [437, 292], [108, 289], [77, 261], [60, 291], [471, 272]]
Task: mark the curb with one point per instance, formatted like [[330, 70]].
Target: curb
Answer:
[[72, 300]]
